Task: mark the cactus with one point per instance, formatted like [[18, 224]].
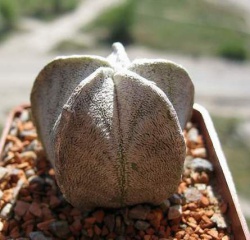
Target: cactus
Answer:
[[112, 129]]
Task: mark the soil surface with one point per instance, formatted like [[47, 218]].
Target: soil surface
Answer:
[[221, 86]]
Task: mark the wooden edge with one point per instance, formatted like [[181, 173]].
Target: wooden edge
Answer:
[[222, 162], [8, 123]]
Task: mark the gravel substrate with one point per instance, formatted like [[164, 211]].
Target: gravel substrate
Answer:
[[32, 206]]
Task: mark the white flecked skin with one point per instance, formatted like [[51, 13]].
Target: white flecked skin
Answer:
[[113, 129]]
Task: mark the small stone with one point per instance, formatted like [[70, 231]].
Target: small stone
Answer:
[[204, 201], [3, 172], [1, 226], [38, 236], [158, 216], [105, 231], [75, 212], [17, 143], [1, 194], [99, 215], [180, 234], [28, 125], [97, 230], [89, 221], [213, 232], [199, 164], [44, 226], [28, 135], [199, 152], [13, 131], [90, 232], [165, 205], [118, 225], [30, 172], [21, 208], [33, 146], [120, 238], [109, 221], [23, 165], [174, 212], [54, 201], [209, 212], [139, 212], [147, 237], [47, 213], [193, 135], [200, 186], [175, 199], [36, 179], [28, 156], [219, 220], [141, 225], [10, 155], [25, 115], [76, 225], [35, 209], [60, 229], [6, 210], [192, 194]]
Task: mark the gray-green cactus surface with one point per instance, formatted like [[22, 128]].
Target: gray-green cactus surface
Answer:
[[112, 129]]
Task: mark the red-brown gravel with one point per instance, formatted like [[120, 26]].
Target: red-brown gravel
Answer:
[[32, 206]]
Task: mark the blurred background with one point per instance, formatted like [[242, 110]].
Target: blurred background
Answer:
[[211, 39]]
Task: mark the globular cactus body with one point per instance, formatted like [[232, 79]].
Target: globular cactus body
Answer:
[[113, 129]]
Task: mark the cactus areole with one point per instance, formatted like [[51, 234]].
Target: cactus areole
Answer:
[[112, 128]]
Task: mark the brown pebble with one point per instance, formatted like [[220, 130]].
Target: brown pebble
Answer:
[[90, 220], [17, 143], [14, 233], [21, 208], [28, 216], [90, 232], [174, 212], [199, 152], [54, 201], [27, 125], [76, 225], [138, 212], [209, 213], [130, 230], [204, 178], [75, 212], [180, 234], [204, 201], [206, 236], [99, 215], [192, 206], [35, 209], [141, 225], [97, 230], [44, 225], [105, 231], [8, 195], [213, 233], [109, 221], [182, 187], [147, 237], [60, 229], [6, 210]]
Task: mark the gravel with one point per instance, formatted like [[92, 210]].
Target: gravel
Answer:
[[32, 206]]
